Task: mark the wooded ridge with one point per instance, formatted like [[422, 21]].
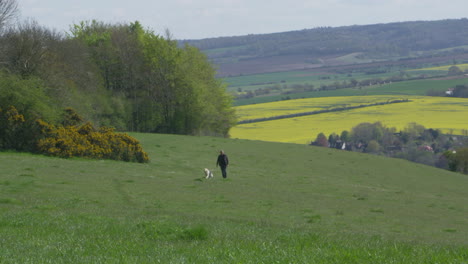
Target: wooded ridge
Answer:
[[366, 42]]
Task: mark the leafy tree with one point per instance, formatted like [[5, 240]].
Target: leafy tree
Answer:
[[366, 132], [28, 96], [332, 139], [345, 136], [458, 160], [119, 75], [373, 147], [321, 140], [454, 70], [172, 89], [461, 91], [413, 131]]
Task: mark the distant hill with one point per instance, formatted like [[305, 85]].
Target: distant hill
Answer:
[[331, 46]]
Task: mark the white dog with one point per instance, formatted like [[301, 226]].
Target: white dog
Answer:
[[208, 173]]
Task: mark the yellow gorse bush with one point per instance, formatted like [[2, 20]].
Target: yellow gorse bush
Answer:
[[67, 140], [85, 141]]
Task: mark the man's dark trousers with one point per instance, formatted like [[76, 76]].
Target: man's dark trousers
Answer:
[[223, 171]]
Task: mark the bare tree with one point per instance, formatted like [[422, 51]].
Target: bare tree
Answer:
[[26, 47], [8, 10]]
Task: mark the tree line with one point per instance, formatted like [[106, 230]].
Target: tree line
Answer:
[[414, 143], [120, 75]]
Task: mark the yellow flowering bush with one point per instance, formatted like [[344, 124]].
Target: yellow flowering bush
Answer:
[[70, 139], [86, 141]]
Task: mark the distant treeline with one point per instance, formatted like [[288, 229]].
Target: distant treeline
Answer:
[[414, 143], [119, 75], [392, 39]]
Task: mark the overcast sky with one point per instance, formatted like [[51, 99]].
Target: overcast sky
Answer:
[[196, 19]]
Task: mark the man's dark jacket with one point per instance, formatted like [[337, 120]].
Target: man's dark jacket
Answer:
[[223, 160]]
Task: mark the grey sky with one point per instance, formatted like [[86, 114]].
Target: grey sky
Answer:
[[195, 19]]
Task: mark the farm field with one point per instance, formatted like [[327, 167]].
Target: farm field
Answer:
[[252, 82], [414, 87], [462, 67], [447, 114], [288, 107], [318, 77], [281, 203]]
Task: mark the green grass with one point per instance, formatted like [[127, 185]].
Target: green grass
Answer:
[[316, 77], [256, 81], [281, 203], [415, 87]]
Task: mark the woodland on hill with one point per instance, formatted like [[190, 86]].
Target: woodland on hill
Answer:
[[118, 75], [312, 46]]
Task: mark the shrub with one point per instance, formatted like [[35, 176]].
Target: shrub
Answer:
[[28, 96], [10, 123], [72, 140], [16, 132], [86, 141]]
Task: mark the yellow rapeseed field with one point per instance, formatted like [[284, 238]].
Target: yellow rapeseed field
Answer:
[[462, 67], [288, 107], [447, 114]]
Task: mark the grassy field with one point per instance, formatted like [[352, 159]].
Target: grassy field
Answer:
[[282, 203], [323, 77], [415, 87], [444, 113], [252, 82]]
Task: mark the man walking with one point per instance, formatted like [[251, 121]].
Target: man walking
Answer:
[[223, 162]]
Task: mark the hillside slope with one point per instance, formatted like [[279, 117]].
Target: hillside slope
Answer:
[[327, 46], [82, 205]]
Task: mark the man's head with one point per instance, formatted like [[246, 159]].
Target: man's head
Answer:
[[221, 152]]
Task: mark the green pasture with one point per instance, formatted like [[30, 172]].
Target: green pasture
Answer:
[[414, 87], [281, 203], [323, 77], [290, 78]]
